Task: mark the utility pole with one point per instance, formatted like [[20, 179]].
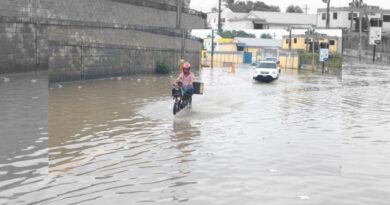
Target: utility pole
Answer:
[[328, 14], [183, 43], [289, 41], [212, 48], [360, 30], [352, 13], [219, 16], [312, 51], [179, 13], [306, 8]]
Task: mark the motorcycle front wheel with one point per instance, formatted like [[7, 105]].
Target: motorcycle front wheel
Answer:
[[176, 108]]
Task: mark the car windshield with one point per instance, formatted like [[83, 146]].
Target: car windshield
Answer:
[[271, 59], [266, 65]]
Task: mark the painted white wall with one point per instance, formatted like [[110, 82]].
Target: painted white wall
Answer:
[[239, 25], [207, 43], [212, 18], [341, 21]]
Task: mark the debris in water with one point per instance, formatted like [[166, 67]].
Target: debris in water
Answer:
[[303, 197], [272, 170], [6, 80]]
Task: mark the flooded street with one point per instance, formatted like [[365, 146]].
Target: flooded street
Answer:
[[306, 138], [23, 132]]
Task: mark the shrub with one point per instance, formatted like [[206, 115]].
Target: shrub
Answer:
[[162, 68]]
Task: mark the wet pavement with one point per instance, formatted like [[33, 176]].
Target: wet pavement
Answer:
[[306, 138]]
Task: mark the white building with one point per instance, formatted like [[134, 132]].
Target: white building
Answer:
[[272, 20], [341, 17], [212, 18], [260, 20]]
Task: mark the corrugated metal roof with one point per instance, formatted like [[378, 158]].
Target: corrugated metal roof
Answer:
[[259, 42], [280, 18]]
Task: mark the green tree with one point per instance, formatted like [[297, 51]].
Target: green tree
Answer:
[[234, 33], [311, 32], [239, 6], [294, 9], [266, 36]]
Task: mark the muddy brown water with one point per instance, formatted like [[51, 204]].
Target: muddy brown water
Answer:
[[306, 138]]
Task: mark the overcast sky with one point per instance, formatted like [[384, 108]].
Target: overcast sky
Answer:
[[206, 5], [277, 33]]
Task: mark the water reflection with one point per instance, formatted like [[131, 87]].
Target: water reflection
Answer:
[[185, 135]]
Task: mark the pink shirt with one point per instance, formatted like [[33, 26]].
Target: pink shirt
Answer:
[[187, 79]]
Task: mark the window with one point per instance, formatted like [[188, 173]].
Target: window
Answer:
[[324, 16], [375, 22], [350, 14], [258, 26], [386, 18], [295, 40], [335, 15], [332, 42], [266, 65]]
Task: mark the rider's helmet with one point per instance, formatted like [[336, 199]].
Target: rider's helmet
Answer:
[[187, 65]]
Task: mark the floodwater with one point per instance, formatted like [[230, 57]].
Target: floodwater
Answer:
[[307, 138], [23, 131]]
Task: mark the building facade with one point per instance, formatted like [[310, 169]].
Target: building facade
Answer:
[[304, 42], [260, 20], [348, 18], [272, 20]]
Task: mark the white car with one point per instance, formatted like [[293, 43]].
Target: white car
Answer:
[[265, 71], [274, 59]]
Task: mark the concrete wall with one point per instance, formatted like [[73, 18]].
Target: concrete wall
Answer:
[[351, 46], [24, 25], [79, 53], [22, 48], [106, 11]]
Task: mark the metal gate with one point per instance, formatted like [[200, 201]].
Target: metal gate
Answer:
[[247, 57]]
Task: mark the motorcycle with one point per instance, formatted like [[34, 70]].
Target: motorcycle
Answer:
[[181, 101]]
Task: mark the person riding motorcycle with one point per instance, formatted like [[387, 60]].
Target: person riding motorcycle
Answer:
[[186, 79]]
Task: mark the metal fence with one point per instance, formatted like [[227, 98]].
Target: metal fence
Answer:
[[335, 61], [222, 59]]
